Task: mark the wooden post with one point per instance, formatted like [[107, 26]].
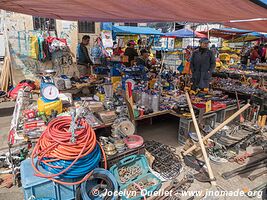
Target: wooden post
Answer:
[[202, 146]]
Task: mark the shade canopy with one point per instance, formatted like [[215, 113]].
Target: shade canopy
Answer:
[[255, 25], [225, 33], [132, 30], [184, 33], [248, 37], [139, 10]]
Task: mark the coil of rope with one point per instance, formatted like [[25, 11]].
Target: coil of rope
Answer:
[[63, 158]]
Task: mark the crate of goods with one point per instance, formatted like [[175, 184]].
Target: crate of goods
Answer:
[[112, 160], [133, 175], [36, 187], [186, 125]]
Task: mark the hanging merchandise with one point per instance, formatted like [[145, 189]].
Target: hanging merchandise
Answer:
[[34, 47], [107, 39], [67, 149]]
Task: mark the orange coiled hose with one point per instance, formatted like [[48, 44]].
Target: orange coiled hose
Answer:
[[55, 145]]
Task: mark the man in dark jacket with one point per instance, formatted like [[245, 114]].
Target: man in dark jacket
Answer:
[[202, 64], [83, 58]]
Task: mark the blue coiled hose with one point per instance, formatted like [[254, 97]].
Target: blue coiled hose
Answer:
[[80, 168], [103, 175]]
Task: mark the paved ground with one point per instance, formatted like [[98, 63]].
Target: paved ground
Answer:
[[163, 130]]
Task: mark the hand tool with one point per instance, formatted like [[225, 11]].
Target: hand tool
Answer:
[[214, 131], [202, 146], [258, 188], [262, 162], [253, 177]]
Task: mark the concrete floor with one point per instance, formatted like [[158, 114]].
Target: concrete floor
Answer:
[[163, 130]]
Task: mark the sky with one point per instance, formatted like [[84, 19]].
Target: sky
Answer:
[[264, 1]]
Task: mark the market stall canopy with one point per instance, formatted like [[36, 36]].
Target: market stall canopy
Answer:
[[255, 25], [225, 33], [133, 30], [139, 10], [184, 33], [248, 37]]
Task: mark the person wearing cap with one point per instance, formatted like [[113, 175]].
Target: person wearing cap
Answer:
[[131, 52], [202, 64]]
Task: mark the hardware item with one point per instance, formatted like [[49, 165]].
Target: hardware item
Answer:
[[133, 141], [214, 131], [93, 186], [260, 163], [166, 162], [110, 149], [253, 177], [258, 188], [241, 118], [178, 186], [200, 140], [129, 173]]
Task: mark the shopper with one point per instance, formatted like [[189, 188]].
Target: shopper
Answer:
[[254, 55], [264, 54], [143, 59], [214, 50], [244, 55], [83, 59], [202, 64], [131, 52], [260, 50]]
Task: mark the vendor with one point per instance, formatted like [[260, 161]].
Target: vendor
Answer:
[[83, 59], [202, 64], [131, 52], [143, 59]]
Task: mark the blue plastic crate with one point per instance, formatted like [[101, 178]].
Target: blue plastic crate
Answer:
[[37, 187]]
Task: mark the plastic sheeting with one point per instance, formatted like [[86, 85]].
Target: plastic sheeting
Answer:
[[184, 33], [132, 30], [139, 10]]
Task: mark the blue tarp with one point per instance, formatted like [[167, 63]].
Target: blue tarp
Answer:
[[133, 30], [182, 33]]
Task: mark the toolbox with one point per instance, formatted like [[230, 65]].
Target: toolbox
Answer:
[[144, 175]]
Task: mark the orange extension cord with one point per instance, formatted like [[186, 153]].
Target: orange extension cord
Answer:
[[55, 144]]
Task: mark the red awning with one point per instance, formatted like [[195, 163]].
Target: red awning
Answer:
[[259, 25], [139, 10], [225, 33]]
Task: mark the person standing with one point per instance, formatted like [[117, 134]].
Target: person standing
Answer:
[[143, 59], [244, 55], [202, 64], [254, 55], [84, 61], [131, 52]]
